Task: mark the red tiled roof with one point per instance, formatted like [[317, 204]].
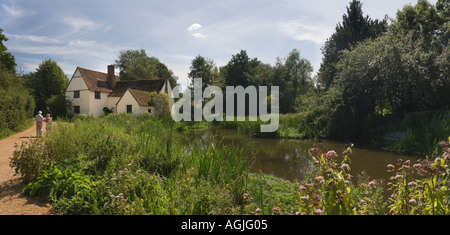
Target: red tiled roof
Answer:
[[148, 85], [96, 81], [142, 97]]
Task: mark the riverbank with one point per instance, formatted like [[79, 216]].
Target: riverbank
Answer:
[[122, 164]]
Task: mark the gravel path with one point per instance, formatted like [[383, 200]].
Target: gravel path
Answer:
[[12, 201]]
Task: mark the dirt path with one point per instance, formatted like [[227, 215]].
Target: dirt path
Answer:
[[12, 201]]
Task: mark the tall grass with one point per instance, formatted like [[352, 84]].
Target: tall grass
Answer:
[[131, 165], [423, 133]]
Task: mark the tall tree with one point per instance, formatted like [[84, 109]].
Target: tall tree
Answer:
[[136, 64], [7, 60], [16, 102], [239, 69], [48, 80], [205, 69], [353, 29]]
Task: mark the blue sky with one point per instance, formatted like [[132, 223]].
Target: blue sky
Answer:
[[91, 34]]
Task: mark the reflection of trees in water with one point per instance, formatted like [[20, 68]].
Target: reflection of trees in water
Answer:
[[288, 158]]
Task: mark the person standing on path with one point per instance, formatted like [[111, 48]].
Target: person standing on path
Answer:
[[39, 119], [48, 124]]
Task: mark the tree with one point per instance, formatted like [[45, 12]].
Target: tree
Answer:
[[125, 59], [205, 69], [354, 28], [48, 80], [298, 77], [16, 102], [7, 60], [240, 69], [136, 64]]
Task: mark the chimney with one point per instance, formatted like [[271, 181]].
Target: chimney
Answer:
[[111, 76]]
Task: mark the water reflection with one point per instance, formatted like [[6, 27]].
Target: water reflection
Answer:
[[288, 159]]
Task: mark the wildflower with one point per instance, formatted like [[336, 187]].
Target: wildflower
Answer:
[[319, 179], [314, 151], [444, 144], [347, 152], [331, 155], [372, 184], [446, 156], [258, 210], [304, 197], [412, 184], [276, 210], [129, 164], [300, 213], [412, 201], [303, 187], [345, 167], [398, 177], [246, 196], [438, 161], [417, 166], [318, 211], [390, 167], [139, 171]]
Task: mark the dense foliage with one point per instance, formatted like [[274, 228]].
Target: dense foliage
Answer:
[[16, 102], [122, 164]]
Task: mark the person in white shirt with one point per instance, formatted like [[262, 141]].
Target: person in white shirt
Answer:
[[39, 119]]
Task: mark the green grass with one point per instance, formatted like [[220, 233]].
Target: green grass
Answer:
[[126, 165]]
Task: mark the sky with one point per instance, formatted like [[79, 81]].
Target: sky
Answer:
[[91, 34]]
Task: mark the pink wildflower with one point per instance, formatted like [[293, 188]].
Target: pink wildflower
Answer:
[[331, 155]]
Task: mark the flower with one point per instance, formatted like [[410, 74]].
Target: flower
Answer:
[[314, 151], [258, 210], [412, 184], [412, 201], [276, 210], [372, 184], [319, 179], [318, 211], [304, 197], [345, 167], [438, 161], [347, 152], [331, 155], [390, 167], [444, 144]]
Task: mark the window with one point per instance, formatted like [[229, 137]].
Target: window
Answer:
[[76, 109], [149, 110], [97, 95], [129, 108], [76, 94]]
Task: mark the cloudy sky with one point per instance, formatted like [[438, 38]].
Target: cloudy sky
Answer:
[[91, 34]]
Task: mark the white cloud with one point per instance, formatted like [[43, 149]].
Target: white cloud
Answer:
[[16, 12], [198, 35], [78, 24], [35, 38], [301, 30], [194, 27]]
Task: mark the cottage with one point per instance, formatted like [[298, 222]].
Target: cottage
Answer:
[[91, 91]]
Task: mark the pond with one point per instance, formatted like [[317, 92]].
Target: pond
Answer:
[[288, 158]]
